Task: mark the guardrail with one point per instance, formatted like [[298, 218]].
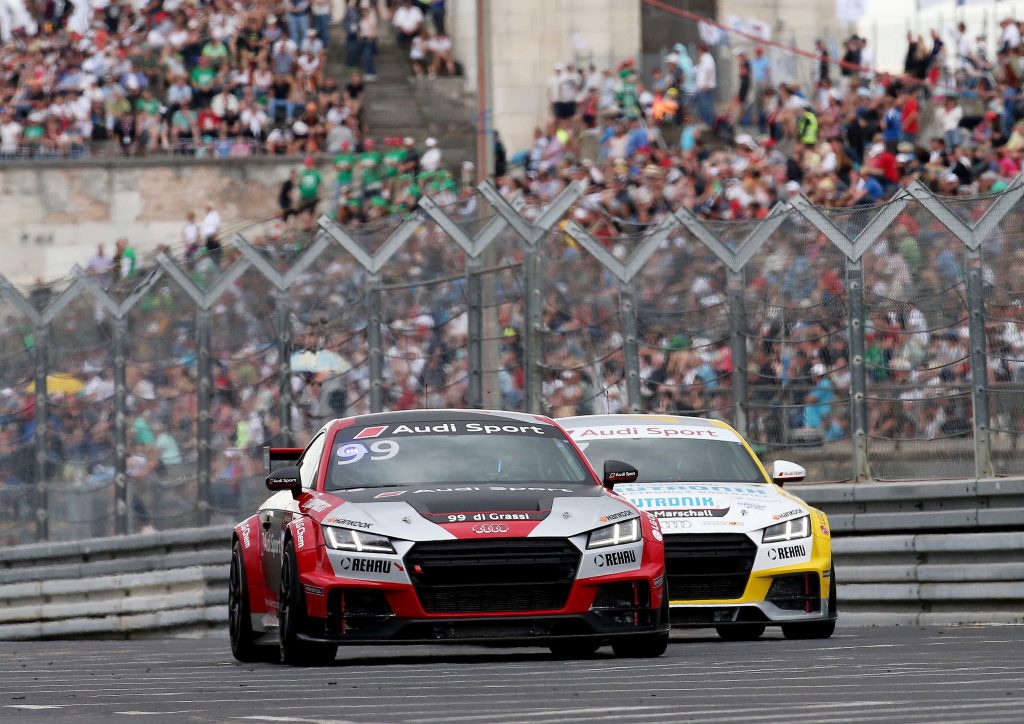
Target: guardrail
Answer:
[[112, 587], [891, 564]]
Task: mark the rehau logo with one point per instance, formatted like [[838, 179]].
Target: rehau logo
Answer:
[[619, 558], [786, 552]]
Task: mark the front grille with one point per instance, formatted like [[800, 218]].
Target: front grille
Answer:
[[708, 565], [468, 576]]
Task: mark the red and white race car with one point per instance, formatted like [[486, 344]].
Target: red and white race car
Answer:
[[460, 526]]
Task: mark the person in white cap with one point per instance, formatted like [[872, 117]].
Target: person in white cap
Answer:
[[431, 160]]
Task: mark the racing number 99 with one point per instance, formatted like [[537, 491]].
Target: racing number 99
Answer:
[[353, 452]]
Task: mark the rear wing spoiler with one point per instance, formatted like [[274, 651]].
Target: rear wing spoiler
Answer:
[[280, 457]]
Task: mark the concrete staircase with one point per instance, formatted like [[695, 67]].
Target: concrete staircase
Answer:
[[399, 104]]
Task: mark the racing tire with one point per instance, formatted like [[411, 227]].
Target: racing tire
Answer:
[[574, 649], [292, 619], [741, 632], [243, 639]]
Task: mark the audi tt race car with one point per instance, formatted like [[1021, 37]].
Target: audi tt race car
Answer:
[[461, 526], [741, 553]]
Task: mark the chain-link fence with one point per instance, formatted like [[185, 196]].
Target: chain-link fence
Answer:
[[881, 342]]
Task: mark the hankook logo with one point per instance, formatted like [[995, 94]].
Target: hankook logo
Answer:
[[490, 528]]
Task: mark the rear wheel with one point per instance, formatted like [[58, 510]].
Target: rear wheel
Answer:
[[292, 619], [741, 631], [243, 638], [574, 649]]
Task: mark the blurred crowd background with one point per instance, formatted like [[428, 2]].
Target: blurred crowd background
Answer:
[[174, 77]]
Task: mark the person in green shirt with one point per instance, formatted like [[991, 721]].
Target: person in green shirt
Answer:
[[345, 163], [216, 53], [393, 157], [369, 167], [309, 187], [202, 80], [147, 103]]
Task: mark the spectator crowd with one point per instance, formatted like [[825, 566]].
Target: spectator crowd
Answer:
[[644, 143]]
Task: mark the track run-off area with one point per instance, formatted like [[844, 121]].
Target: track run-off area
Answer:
[[962, 674]]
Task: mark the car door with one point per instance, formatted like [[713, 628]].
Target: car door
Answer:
[[276, 517]]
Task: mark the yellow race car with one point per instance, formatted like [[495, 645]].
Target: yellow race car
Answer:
[[741, 553]]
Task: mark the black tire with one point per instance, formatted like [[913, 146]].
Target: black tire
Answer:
[[644, 646], [574, 649], [740, 631], [292, 619], [817, 629], [243, 638]]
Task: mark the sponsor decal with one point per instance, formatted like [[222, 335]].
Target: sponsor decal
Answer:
[[824, 530], [786, 552], [616, 516], [315, 590], [300, 533], [618, 558], [490, 528], [451, 428], [587, 434], [756, 490], [656, 534], [694, 513], [316, 505], [492, 488], [788, 514], [366, 565], [654, 520], [389, 494], [353, 452], [245, 534], [272, 542], [479, 517], [675, 524], [349, 523]]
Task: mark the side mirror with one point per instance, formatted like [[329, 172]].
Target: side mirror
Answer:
[[784, 471], [285, 479], [616, 471]]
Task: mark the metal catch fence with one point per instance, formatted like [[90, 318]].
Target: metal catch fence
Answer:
[[881, 342]]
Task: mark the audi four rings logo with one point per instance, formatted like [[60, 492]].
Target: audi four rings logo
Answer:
[[490, 528]]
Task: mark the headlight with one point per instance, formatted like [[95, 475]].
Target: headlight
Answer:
[[628, 531], [787, 530], [355, 540]]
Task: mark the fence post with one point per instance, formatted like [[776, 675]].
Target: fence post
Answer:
[[533, 352], [204, 375], [983, 467], [39, 441], [631, 346], [375, 343], [858, 369], [120, 426], [738, 340], [284, 370], [475, 320]]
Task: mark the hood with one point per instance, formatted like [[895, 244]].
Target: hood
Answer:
[[439, 512], [713, 507]]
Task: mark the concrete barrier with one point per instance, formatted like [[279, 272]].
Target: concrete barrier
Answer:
[[891, 565]]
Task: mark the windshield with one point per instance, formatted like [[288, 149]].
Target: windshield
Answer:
[[677, 461], [453, 453]]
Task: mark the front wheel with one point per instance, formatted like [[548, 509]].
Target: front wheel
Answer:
[[740, 632], [292, 619]]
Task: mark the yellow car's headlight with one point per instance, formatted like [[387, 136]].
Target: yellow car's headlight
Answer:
[[787, 530]]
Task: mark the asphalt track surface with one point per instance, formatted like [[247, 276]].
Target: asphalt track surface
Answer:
[[962, 674]]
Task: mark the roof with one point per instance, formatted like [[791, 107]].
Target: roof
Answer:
[[462, 415], [583, 420]]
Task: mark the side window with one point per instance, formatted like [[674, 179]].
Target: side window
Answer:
[[311, 462]]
